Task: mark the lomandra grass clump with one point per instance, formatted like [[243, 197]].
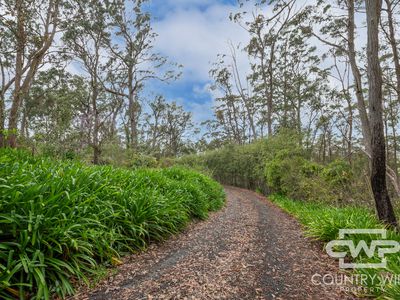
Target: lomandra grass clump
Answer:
[[60, 220], [323, 222]]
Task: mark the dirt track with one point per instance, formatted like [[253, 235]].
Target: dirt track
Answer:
[[248, 250]]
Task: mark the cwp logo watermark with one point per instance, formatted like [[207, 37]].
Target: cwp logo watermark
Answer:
[[381, 246]]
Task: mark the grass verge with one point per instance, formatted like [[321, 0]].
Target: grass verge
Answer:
[[323, 222], [60, 220]]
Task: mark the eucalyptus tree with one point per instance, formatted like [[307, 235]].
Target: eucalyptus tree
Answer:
[[133, 60], [86, 39], [28, 28], [153, 123], [244, 90], [308, 85], [265, 32], [338, 31], [167, 128], [228, 110], [285, 88], [345, 113], [391, 122], [53, 111], [237, 101], [177, 123]]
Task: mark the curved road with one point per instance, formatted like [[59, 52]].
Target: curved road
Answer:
[[248, 250]]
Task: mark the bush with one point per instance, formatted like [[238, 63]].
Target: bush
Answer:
[[289, 173], [283, 173], [280, 165], [59, 220], [338, 174], [241, 166], [143, 161]]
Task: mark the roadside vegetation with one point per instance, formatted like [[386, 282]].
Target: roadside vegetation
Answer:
[[281, 165], [60, 220], [324, 197], [323, 222]]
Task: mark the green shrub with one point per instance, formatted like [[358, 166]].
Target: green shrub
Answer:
[[283, 174], [59, 220], [290, 174], [233, 165], [143, 161], [279, 164], [338, 173], [311, 169]]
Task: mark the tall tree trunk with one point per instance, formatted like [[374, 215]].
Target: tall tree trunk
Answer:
[[264, 75], [132, 123], [2, 121], [386, 134], [96, 125], [132, 107], [350, 137], [365, 126], [17, 96], [395, 163], [378, 156], [270, 104], [393, 118], [284, 91], [299, 124], [393, 43], [23, 124]]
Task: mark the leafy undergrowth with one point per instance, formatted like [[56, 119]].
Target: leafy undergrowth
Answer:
[[323, 223], [60, 220]]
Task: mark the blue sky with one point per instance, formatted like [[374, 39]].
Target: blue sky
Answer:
[[192, 33]]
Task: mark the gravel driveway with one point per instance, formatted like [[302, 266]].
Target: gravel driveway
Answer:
[[248, 250]]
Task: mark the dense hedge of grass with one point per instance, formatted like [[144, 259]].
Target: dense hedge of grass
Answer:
[[323, 222], [60, 220]]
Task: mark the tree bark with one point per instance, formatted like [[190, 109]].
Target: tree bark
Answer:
[[132, 109], [96, 123], [96, 143], [393, 118], [270, 97], [393, 43], [24, 125], [2, 106], [350, 137], [378, 156], [2, 121], [365, 126], [20, 36]]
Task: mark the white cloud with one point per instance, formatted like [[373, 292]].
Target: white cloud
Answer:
[[193, 36]]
